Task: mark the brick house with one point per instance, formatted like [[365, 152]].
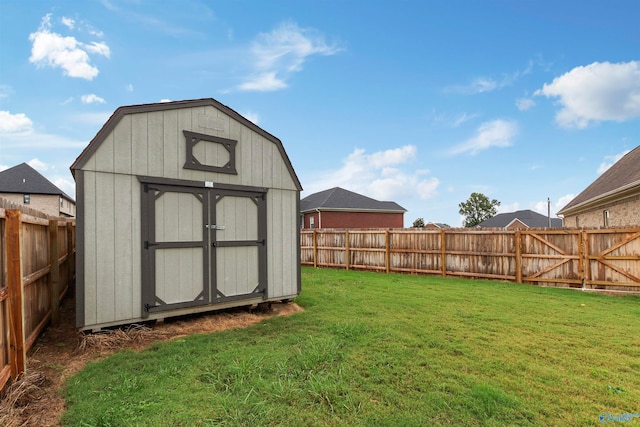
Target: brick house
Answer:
[[340, 208], [521, 220], [612, 200], [24, 185]]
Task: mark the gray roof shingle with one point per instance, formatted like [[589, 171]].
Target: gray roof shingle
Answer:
[[339, 198], [528, 217], [26, 180]]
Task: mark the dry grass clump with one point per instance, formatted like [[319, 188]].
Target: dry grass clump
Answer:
[[113, 339], [18, 396]]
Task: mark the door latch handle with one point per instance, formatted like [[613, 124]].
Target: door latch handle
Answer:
[[215, 227]]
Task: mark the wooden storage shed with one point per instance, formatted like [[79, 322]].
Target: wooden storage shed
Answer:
[[183, 207]]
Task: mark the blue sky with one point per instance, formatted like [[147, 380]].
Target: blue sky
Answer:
[[419, 102]]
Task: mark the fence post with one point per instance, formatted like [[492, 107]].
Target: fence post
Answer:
[[387, 257], [54, 275], [443, 254], [315, 249], [518, 256], [17, 353], [585, 256], [346, 249], [71, 258]]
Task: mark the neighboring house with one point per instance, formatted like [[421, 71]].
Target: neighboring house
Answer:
[[436, 225], [521, 220], [24, 185], [612, 200], [340, 208]]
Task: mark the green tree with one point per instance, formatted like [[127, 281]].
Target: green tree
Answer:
[[478, 208], [418, 223]]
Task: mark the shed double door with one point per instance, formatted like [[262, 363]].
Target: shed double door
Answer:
[[201, 246]]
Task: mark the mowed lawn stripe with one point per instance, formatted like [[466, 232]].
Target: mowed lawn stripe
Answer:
[[385, 349]]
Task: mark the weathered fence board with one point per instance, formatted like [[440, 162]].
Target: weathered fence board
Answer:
[[598, 260], [37, 265]]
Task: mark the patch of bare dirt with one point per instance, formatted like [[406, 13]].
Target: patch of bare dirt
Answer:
[[61, 351]]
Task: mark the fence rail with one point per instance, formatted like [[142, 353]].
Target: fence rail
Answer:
[[596, 260], [37, 266]]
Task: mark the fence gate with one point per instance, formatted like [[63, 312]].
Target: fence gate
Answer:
[[552, 257], [201, 246], [613, 259]]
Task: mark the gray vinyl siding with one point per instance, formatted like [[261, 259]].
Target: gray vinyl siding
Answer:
[[152, 144]]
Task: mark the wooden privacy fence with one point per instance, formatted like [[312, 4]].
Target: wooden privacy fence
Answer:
[[37, 266], [598, 260]]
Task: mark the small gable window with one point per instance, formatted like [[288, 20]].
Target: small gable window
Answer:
[[26, 199], [605, 218], [210, 153]]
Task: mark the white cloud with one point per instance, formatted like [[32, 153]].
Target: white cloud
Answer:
[[37, 165], [266, 82], [129, 88], [563, 201], [597, 92], [497, 133], [281, 52], [165, 100], [68, 22], [67, 53], [66, 185], [609, 161], [13, 123], [376, 175], [462, 118], [99, 48], [525, 104], [92, 99], [489, 84]]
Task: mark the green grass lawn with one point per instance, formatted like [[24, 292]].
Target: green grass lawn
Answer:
[[383, 350]]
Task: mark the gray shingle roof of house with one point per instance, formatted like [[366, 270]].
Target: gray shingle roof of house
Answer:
[[624, 173], [340, 199], [528, 217], [26, 180]]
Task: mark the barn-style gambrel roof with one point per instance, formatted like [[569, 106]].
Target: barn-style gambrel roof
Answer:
[[621, 179], [528, 217], [338, 198], [23, 179], [115, 118]]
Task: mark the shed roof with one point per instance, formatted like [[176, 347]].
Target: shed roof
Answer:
[[108, 127], [624, 174], [26, 180], [340, 199], [528, 217]]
